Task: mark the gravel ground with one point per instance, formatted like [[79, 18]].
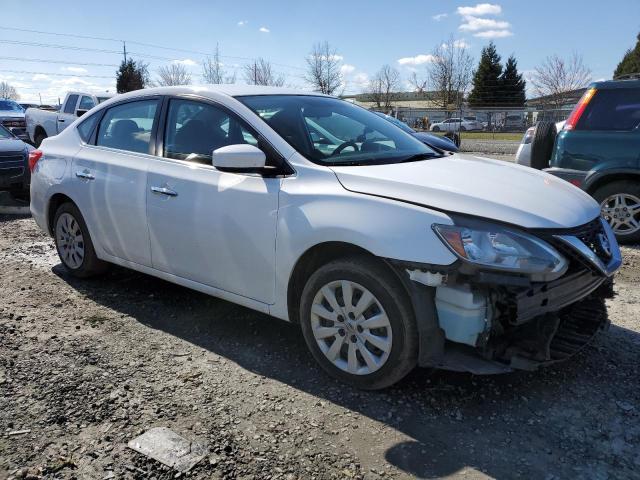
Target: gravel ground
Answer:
[[501, 147], [85, 366]]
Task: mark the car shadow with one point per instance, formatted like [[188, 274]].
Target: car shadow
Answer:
[[452, 421]]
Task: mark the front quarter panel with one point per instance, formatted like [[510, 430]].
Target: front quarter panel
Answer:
[[315, 209]]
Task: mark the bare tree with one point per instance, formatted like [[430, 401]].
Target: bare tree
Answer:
[[173, 74], [213, 70], [323, 68], [418, 83], [557, 76], [8, 91], [384, 85], [450, 72], [260, 72]]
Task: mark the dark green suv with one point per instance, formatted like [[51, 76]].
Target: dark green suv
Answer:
[[598, 150]]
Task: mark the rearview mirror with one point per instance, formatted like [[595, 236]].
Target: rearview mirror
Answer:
[[241, 157]]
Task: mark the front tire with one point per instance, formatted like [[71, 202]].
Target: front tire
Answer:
[[435, 129], [39, 137], [358, 322], [74, 244], [620, 206]]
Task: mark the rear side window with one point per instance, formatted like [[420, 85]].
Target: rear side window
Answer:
[[128, 126], [85, 129], [86, 103], [616, 109], [70, 106]]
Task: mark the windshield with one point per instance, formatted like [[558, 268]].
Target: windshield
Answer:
[[329, 131], [4, 133], [10, 106]]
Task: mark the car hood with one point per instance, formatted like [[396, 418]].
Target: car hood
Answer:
[[477, 186], [11, 145], [437, 141], [5, 114]]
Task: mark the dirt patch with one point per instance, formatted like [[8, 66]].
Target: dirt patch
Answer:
[[85, 366]]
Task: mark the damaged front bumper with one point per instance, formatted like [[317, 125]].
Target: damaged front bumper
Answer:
[[487, 322]]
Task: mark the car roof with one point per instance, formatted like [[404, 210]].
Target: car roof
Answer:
[[611, 84], [231, 90]]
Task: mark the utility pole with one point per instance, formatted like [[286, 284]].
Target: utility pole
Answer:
[[124, 50], [40, 95]]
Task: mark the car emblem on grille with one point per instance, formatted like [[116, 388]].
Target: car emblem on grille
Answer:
[[604, 243]]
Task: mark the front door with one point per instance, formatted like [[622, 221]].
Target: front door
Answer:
[[111, 180], [205, 225]]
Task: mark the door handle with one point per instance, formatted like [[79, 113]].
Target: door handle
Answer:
[[61, 119], [164, 191], [85, 174]]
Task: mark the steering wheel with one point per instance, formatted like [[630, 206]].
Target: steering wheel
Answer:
[[344, 145]]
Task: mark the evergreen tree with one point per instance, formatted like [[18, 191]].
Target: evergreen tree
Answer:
[[630, 62], [486, 79], [131, 76], [512, 85]]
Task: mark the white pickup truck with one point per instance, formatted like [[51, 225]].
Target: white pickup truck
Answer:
[[43, 123]]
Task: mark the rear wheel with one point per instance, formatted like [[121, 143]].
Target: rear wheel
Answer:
[[358, 323], [39, 137], [542, 144], [74, 244], [620, 206], [435, 129]]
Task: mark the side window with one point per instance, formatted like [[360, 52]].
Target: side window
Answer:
[[70, 106], [615, 109], [85, 129], [128, 126], [195, 129], [86, 103]]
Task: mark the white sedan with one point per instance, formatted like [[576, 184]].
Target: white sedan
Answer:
[[387, 253], [456, 125]]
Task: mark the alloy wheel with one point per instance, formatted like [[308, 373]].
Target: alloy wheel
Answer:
[[351, 327], [69, 241], [622, 211]]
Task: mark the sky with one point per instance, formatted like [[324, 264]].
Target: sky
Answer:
[[366, 34]]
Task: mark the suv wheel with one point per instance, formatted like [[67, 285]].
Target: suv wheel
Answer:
[[74, 244], [544, 137], [358, 323], [620, 206]]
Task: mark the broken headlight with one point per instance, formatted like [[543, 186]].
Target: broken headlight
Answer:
[[500, 248]]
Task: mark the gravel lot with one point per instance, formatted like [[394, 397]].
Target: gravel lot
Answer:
[[85, 366], [490, 147]]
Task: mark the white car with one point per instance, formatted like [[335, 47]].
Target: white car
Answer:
[[316, 211], [523, 154], [456, 125]]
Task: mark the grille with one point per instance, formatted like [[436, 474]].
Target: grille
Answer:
[[14, 123], [590, 234]]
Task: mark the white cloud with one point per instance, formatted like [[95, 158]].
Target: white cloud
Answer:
[[264, 30], [494, 34], [346, 69], [417, 60], [75, 69], [480, 9], [440, 16], [242, 23], [40, 76], [474, 24], [457, 44], [187, 62]]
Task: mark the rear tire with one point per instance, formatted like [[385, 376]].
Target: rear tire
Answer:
[[620, 206], [542, 145], [39, 137], [74, 244], [356, 361]]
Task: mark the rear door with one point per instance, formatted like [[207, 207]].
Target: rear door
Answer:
[[68, 113], [111, 171], [212, 227]]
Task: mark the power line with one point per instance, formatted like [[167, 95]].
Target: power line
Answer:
[[64, 62], [57, 74]]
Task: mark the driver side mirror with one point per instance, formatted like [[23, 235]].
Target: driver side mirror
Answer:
[[239, 158]]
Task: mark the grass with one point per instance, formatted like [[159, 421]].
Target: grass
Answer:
[[488, 136]]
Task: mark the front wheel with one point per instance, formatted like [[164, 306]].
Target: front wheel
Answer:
[[358, 323], [39, 137], [620, 206], [435, 129]]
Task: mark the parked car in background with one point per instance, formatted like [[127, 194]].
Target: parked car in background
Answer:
[[456, 125], [12, 118], [438, 141], [523, 154], [513, 123], [28, 105], [598, 150], [14, 167], [42, 124], [388, 253]]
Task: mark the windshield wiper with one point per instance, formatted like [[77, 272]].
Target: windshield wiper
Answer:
[[420, 156]]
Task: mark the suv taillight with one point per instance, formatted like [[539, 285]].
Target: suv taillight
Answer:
[[578, 110], [34, 156]]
